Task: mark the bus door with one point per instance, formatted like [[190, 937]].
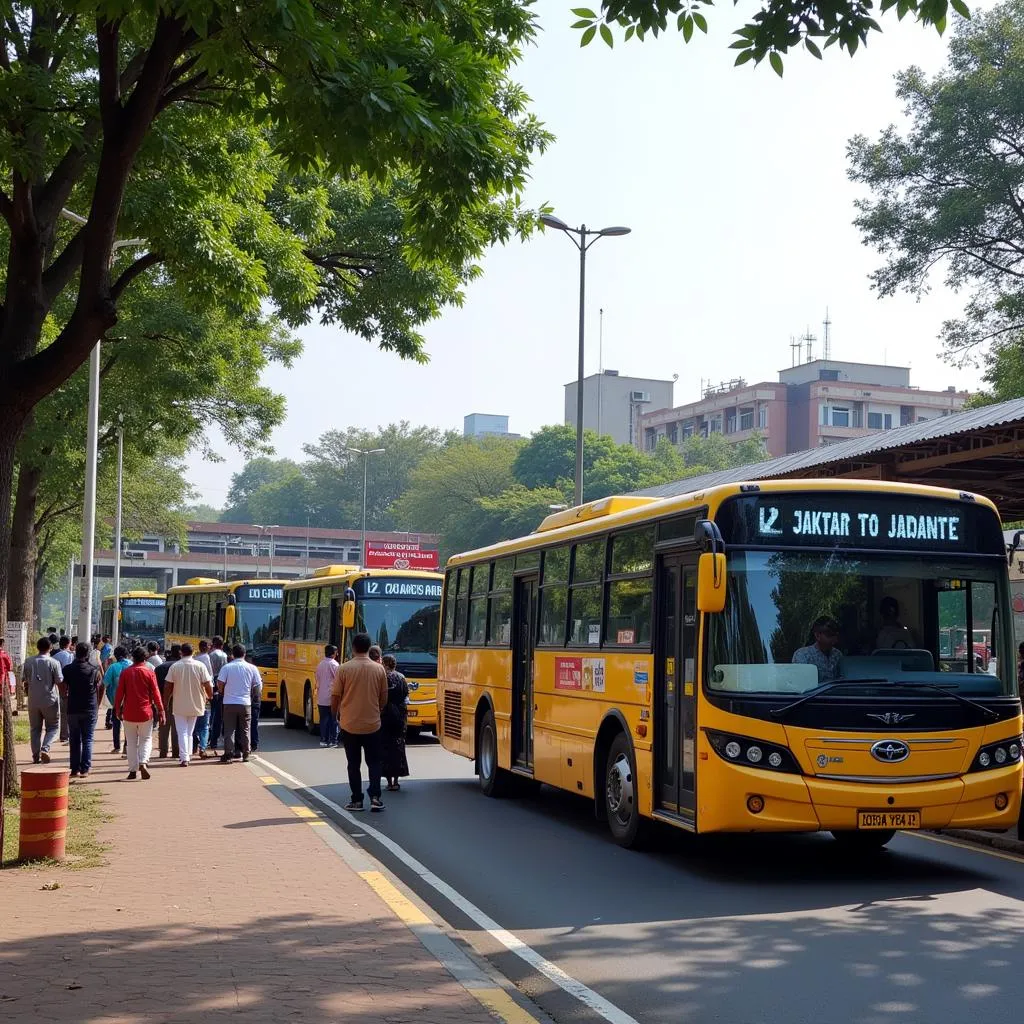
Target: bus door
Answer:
[[675, 707], [334, 626], [524, 630], [219, 619]]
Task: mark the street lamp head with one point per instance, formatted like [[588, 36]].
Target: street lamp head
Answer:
[[376, 451], [615, 230], [551, 221]]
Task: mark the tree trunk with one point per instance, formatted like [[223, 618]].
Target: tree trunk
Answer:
[[12, 422], [21, 583], [11, 787]]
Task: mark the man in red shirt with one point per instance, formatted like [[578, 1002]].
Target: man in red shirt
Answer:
[[137, 695], [6, 667]]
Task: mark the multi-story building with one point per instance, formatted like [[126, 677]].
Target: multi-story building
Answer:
[[813, 404], [613, 405], [484, 424]]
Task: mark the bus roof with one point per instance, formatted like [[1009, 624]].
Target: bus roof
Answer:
[[327, 574], [209, 586], [633, 510], [134, 593]]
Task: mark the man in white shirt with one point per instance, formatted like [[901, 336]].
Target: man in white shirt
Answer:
[[325, 673], [238, 683], [190, 683], [153, 650], [201, 734]]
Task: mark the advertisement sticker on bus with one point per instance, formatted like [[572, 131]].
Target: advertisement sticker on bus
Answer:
[[568, 673], [593, 674]]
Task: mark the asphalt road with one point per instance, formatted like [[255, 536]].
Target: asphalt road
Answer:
[[700, 929]]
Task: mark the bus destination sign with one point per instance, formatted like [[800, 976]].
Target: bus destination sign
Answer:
[[399, 588], [254, 593], [143, 602], [853, 521]]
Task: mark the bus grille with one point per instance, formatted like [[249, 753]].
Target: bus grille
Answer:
[[453, 714]]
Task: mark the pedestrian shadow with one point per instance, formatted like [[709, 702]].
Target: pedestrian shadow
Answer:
[[260, 822]]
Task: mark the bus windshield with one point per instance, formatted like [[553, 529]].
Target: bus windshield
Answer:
[[406, 628], [931, 620], [142, 618], [259, 628]]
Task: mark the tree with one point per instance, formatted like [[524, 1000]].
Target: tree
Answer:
[[715, 452], [778, 27], [256, 478], [171, 123], [447, 490], [550, 455], [202, 513], [947, 193]]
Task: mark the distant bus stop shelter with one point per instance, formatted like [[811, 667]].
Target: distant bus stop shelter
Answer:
[[978, 450]]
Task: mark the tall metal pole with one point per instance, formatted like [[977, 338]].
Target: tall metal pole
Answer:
[[89, 516], [362, 542], [305, 571], [579, 372], [115, 628], [225, 539], [69, 610], [600, 366], [271, 532]]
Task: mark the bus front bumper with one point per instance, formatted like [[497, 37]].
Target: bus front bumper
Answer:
[[803, 803], [422, 714]]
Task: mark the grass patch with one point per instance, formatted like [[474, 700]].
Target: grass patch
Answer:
[[21, 727], [84, 848]]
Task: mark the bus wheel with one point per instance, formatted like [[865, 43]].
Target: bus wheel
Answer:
[[286, 717], [412, 732], [493, 780], [307, 710], [865, 841], [620, 791]]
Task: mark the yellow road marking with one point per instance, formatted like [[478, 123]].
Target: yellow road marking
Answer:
[[302, 811], [973, 847], [499, 1002], [268, 780], [404, 909]]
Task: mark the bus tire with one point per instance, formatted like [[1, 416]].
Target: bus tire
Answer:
[[307, 711], [621, 794], [286, 717], [412, 732], [863, 841], [494, 781]]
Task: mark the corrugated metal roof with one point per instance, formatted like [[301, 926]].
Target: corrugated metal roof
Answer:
[[856, 447]]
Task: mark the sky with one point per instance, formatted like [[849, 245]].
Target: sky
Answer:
[[734, 184]]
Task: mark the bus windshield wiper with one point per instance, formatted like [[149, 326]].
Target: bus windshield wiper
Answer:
[[946, 689], [817, 691]]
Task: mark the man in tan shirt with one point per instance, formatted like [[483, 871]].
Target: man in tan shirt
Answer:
[[359, 693], [191, 685]]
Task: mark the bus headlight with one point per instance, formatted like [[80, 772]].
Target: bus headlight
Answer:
[[997, 755], [754, 753]]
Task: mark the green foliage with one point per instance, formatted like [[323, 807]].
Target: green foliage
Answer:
[[778, 27], [946, 192], [202, 513]]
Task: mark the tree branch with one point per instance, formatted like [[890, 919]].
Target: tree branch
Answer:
[[142, 264], [107, 38], [180, 91]]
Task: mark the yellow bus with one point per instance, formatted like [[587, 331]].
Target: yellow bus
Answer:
[[246, 612], [658, 656], [399, 609], [140, 617]]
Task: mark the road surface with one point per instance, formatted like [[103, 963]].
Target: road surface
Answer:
[[738, 930]]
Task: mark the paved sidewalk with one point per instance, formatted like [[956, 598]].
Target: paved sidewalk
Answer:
[[217, 901]]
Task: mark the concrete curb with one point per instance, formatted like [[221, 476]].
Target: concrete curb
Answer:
[[995, 840]]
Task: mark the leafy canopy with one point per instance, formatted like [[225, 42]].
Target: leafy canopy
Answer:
[[947, 196], [778, 27]]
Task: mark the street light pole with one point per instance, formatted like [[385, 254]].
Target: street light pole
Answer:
[[259, 547], [583, 245], [366, 460], [115, 627], [270, 530]]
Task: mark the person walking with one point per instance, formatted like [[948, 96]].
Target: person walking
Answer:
[[393, 763], [201, 733], [218, 659], [6, 668], [137, 695], [43, 678], [110, 677], [167, 737], [325, 673], [106, 651], [84, 684], [360, 692], [238, 683], [63, 656], [153, 654], [188, 684]]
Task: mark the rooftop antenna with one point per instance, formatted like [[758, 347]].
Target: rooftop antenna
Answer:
[[826, 341], [796, 348], [810, 339]]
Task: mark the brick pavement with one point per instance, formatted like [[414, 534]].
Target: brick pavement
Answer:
[[216, 902]]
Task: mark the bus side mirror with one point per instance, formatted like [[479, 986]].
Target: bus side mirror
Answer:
[[229, 617], [711, 582], [348, 614]]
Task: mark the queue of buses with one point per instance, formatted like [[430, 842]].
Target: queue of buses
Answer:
[[658, 657]]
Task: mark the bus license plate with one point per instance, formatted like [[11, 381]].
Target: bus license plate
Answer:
[[413, 713], [888, 819]]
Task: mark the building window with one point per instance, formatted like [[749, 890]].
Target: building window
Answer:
[[715, 424], [906, 415], [828, 375], [762, 417], [687, 429], [673, 433], [650, 439], [730, 421], [835, 415], [874, 421], [747, 418]]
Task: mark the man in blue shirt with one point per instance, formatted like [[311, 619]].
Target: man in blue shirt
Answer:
[[111, 676], [64, 657]]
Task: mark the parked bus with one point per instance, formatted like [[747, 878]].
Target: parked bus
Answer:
[[246, 612], [399, 609], [140, 617], [658, 657]]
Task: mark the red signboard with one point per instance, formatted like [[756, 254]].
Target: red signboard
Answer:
[[568, 673], [399, 554]]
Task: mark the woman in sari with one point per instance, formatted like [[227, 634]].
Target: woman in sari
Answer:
[[392, 726]]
